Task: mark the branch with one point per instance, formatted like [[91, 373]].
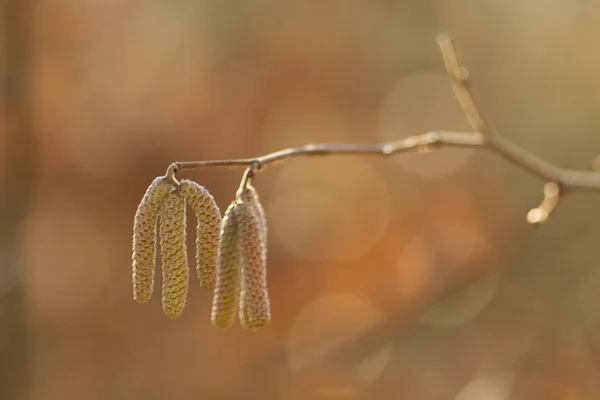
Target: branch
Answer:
[[558, 180], [459, 76]]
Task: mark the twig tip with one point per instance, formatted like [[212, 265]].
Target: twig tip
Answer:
[[537, 216]]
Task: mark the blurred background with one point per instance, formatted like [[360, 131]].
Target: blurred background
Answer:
[[415, 277]]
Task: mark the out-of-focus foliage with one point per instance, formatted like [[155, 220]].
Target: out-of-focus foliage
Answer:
[[357, 246]]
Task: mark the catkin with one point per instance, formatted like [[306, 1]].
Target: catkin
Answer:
[[254, 307], [144, 238], [250, 195], [227, 286], [208, 228], [174, 258]]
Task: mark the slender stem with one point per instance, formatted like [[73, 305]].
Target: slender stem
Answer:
[[423, 142], [459, 76], [411, 143], [482, 137]]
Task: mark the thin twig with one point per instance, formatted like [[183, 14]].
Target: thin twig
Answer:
[[526, 160], [421, 142], [558, 180], [460, 76]]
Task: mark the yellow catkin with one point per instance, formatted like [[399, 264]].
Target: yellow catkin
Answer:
[[251, 196], [144, 238], [227, 286], [208, 228], [255, 307], [174, 254]]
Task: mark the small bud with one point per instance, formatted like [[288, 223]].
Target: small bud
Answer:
[[255, 308], [208, 228], [174, 255], [227, 286], [144, 238]]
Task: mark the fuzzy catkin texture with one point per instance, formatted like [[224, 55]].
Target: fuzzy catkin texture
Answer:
[[175, 269], [227, 287], [251, 196], [255, 307], [144, 238], [208, 230]]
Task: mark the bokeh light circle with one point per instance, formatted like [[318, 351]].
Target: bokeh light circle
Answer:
[[462, 306], [496, 387], [65, 258], [326, 210], [325, 325], [321, 209], [420, 103]]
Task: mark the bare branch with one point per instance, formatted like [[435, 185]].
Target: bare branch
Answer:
[[420, 142], [558, 180], [460, 76]]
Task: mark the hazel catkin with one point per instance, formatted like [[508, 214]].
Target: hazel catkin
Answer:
[[175, 269], [255, 308], [250, 195], [227, 285], [208, 227], [144, 238]]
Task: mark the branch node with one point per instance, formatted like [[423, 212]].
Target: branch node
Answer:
[[461, 74], [387, 149], [255, 166], [428, 142]]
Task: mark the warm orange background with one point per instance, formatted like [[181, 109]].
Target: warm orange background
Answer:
[[359, 248]]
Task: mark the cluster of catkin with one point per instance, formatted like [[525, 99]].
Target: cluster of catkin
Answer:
[[230, 251]]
